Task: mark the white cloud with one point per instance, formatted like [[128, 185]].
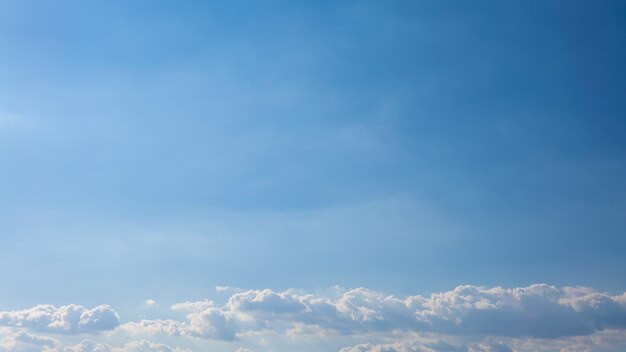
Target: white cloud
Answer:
[[145, 346], [467, 318], [533, 311], [156, 327], [133, 346], [603, 341], [203, 320], [433, 342], [432, 346], [227, 289], [69, 319], [150, 303], [23, 341], [536, 310]]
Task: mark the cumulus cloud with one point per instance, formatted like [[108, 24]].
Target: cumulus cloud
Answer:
[[536, 310], [541, 311], [520, 319], [133, 346], [204, 320], [69, 319], [23, 341], [610, 340], [145, 346], [438, 346]]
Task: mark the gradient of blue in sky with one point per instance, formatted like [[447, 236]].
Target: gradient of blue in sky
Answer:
[[157, 149]]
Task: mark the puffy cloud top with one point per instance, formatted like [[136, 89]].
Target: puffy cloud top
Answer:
[[431, 346], [535, 311], [467, 318], [22, 341], [69, 319]]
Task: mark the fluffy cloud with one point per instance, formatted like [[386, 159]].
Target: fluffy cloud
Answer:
[[204, 320], [610, 340], [439, 346], [157, 327], [541, 311], [22, 341], [145, 346], [134, 346], [467, 319], [150, 303], [69, 319]]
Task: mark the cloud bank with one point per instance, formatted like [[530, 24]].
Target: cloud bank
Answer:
[[539, 311], [23, 341], [467, 318], [433, 346], [69, 319]]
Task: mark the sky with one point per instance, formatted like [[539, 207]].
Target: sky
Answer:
[[344, 176]]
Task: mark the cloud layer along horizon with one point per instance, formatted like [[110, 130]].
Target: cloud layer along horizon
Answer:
[[467, 318]]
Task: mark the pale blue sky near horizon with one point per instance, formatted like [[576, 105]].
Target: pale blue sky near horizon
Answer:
[[156, 149]]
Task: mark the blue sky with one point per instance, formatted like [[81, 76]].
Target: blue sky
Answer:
[[157, 150]]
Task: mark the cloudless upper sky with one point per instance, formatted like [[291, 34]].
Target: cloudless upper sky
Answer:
[[156, 149]]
